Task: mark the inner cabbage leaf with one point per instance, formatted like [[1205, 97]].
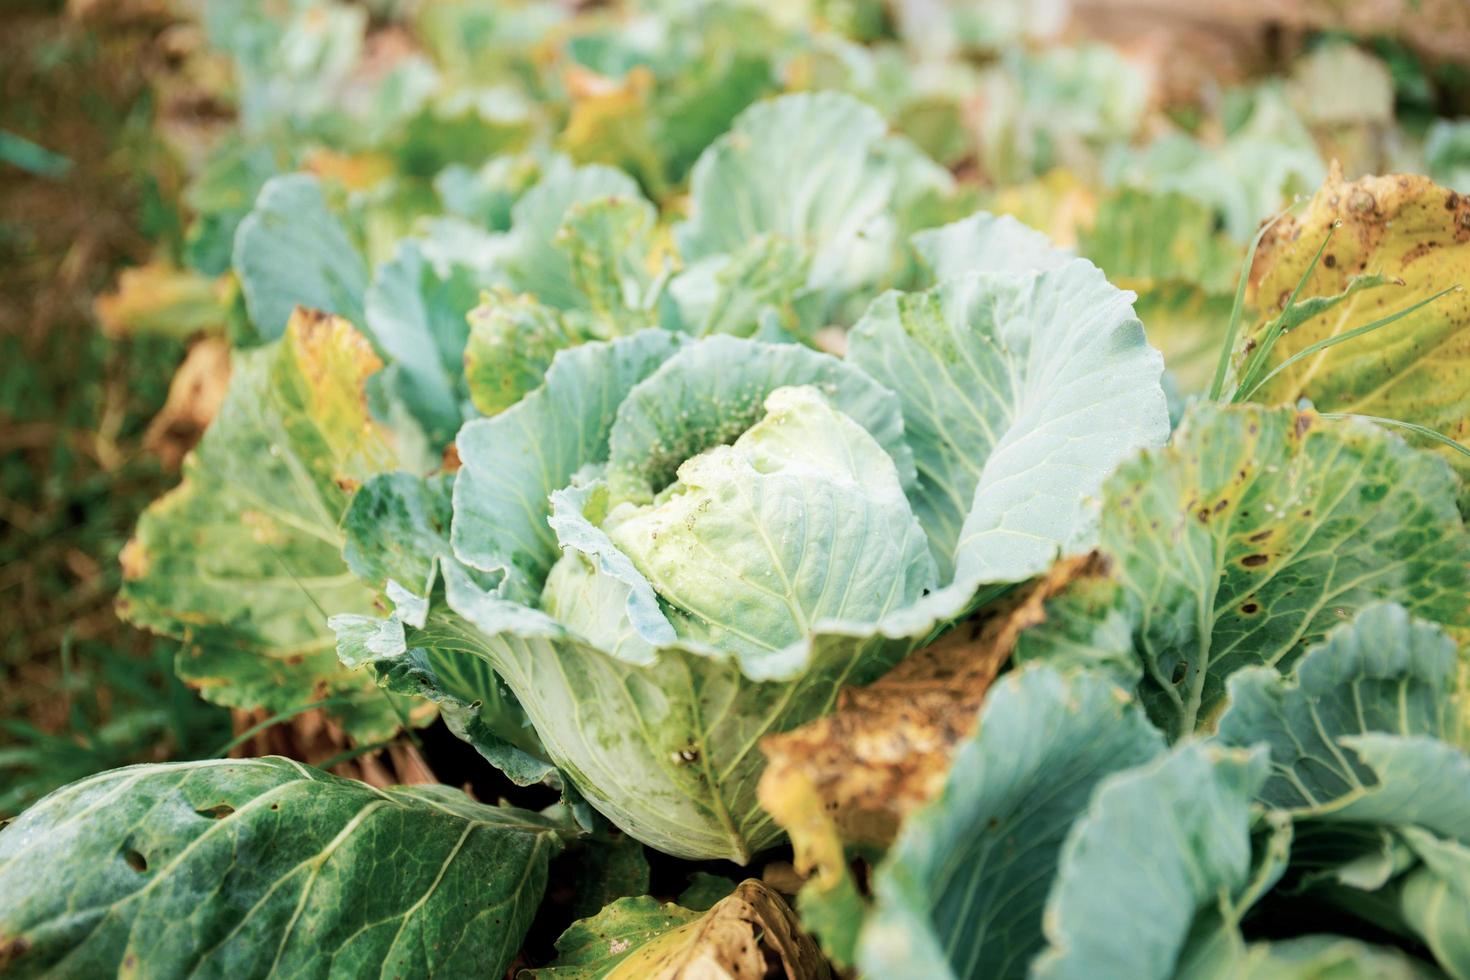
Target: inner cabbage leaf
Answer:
[[802, 519]]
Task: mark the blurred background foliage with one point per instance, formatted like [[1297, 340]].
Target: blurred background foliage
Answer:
[[84, 191]]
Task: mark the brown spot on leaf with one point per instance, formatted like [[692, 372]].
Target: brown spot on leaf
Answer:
[[12, 950], [134, 560], [1254, 561]]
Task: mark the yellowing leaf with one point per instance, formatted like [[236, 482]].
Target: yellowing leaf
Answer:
[[194, 397], [355, 172], [610, 122], [1057, 203], [160, 298], [1401, 227], [242, 558]]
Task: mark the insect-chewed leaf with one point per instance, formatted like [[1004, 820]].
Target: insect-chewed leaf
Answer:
[[1256, 531], [266, 867]]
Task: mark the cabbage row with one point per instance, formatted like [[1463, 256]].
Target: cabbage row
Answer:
[[657, 396]]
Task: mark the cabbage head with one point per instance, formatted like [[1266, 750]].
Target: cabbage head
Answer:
[[674, 546]]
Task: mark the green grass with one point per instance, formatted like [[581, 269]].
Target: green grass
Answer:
[[80, 690]]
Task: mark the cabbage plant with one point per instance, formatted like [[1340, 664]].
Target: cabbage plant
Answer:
[[674, 547]]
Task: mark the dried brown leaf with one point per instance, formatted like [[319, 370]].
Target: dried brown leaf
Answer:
[[887, 748], [752, 933], [194, 397]]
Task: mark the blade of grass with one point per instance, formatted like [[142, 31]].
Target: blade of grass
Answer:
[[1414, 427], [1223, 365], [353, 753], [1322, 345], [1254, 364]]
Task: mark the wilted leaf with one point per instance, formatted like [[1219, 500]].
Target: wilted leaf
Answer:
[[748, 934], [887, 747], [853, 776], [194, 398]]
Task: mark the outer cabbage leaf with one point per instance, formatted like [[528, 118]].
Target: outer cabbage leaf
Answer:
[[442, 660], [740, 292], [416, 311], [1404, 228], [485, 196], [1330, 958], [1435, 899], [1186, 818], [1384, 673], [1020, 392], [747, 933], [1143, 240], [397, 530], [669, 83], [666, 750], [608, 242], [292, 251], [574, 267], [986, 242], [1359, 757], [1059, 107], [243, 557], [592, 948], [1258, 530], [531, 262], [512, 341], [262, 867], [848, 780], [807, 167], [290, 71], [960, 893], [1249, 175]]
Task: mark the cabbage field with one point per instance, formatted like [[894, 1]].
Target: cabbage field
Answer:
[[737, 489]]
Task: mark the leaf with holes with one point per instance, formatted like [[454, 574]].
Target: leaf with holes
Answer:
[[265, 867]]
